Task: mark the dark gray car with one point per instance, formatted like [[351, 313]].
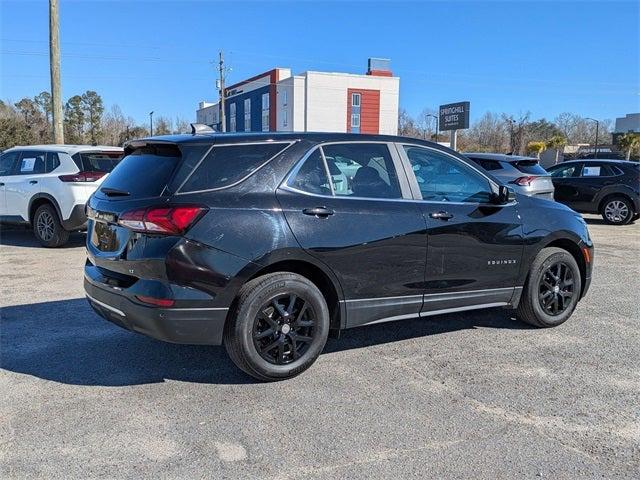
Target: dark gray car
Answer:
[[523, 173]]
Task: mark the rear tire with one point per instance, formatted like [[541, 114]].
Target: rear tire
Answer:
[[552, 289], [617, 211], [47, 227], [278, 327]]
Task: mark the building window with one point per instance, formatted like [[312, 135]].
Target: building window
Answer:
[[247, 115], [285, 117], [285, 99], [232, 117], [355, 120], [355, 99], [265, 112]]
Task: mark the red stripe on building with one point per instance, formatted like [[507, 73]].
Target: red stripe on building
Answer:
[[369, 110]]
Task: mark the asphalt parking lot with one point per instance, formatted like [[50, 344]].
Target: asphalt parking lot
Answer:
[[472, 395]]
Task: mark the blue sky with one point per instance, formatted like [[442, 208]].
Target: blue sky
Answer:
[[544, 57]]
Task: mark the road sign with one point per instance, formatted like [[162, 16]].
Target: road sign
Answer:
[[454, 116]]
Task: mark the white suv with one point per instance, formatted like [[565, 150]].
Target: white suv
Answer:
[[47, 186]]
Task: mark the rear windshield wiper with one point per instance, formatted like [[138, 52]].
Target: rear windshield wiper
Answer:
[[114, 192]]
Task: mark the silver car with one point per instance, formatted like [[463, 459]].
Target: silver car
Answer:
[[524, 174]]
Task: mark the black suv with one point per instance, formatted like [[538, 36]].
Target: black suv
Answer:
[[269, 242], [608, 187]]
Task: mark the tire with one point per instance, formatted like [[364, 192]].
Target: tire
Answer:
[[617, 210], [256, 315], [531, 309], [47, 227]]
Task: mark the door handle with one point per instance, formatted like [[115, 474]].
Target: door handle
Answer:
[[322, 212], [441, 215], [1, 184], [33, 182]]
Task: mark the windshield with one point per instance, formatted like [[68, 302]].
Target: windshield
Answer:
[[97, 161], [531, 167]]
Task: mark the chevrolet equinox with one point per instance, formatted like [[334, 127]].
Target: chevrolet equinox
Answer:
[[269, 242]]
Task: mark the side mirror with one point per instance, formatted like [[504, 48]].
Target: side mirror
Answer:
[[505, 195]]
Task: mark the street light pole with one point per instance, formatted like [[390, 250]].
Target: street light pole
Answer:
[[151, 123], [595, 147], [436, 119]]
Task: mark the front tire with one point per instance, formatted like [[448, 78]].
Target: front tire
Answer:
[[278, 327], [47, 227], [617, 211], [552, 289]]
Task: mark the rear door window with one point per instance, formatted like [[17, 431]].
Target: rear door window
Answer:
[[312, 176], [487, 164], [362, 170], [228, 164], [143, 173], [591, 171], [31, 163]]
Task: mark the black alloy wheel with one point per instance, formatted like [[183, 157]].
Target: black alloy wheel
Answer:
[[552, 289], [284, 328], [278, 326], [556, 288]]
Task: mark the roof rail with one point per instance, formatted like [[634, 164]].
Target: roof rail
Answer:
[[201, 128]]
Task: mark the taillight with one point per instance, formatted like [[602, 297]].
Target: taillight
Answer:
[[524, 181], [158, 302], [82, 177], [169, 220]]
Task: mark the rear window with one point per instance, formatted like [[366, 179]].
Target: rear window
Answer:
[[531, 167], [145, 172], [97, 161], [229, 164], [487, 164]]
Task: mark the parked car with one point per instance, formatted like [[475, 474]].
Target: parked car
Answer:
[[246, 240], [524, 174], [608, 187], [47, 186]]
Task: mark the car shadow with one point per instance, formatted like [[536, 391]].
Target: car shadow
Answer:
[[594, 221], [65, 341], [23, 237]]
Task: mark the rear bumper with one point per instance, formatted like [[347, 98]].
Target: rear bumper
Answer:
[[197, 326], [77, 220]]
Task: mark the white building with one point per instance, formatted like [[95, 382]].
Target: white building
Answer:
[[311, 102], [629, 123]]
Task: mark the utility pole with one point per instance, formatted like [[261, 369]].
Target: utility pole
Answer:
[[223, 123], [151, 123], [54, 65]]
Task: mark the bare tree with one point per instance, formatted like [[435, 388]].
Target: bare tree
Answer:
[[425, 124], [407, 125], [181, 126], [488, 134], [162, 126]]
